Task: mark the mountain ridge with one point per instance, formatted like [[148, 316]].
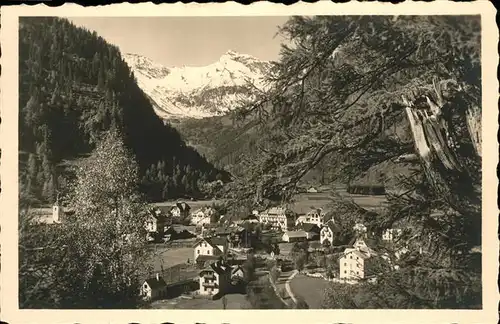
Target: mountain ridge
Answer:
[[73, 86], [199, 91]]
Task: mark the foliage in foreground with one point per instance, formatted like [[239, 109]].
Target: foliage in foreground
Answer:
[[94, 258], [355, 92]]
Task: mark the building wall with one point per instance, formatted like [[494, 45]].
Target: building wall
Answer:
[[390, 234], [206, 288], [151, 294], [351, 267], [176, 212], [275, 220], [287, 238], [203, 248], [326, 234]]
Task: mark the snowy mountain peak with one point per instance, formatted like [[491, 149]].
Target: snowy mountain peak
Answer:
[[202, 91], [145, 66]]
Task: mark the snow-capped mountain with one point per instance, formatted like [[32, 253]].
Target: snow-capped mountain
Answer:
[[198, 92]]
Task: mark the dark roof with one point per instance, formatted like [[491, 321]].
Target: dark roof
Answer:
[[207, 258], [216, 241], [296, 234], [183, 206], [250, 217], [236, 268], [220, 268], [308, 227], [334, 227], [156, 284], [371, 243], [171, 230], [213, 241], [225, 218]]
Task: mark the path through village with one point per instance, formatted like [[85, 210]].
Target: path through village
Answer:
[[283, 290]]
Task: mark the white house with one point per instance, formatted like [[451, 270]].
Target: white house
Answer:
[[360, 228], [212, 246], [294, 236], [215, 279], [153, 288], [180, 209], [391, 233], [312, 190], [314, 216], [156, 222], [202, 216], [353, 264], [57, 213], [328, 232], [279, 218]]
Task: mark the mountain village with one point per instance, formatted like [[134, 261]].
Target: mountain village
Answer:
[[217, 249], [249, 183]]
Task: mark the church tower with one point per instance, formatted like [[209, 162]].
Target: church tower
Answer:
[[57, 212]]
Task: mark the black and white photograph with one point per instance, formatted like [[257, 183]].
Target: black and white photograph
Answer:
[[315, 161]]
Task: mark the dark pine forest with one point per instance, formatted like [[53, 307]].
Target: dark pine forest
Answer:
[[73, 86]]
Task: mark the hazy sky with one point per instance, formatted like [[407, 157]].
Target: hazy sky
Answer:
[[194, 41]]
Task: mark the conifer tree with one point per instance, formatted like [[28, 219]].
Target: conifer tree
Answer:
[[338, 92]]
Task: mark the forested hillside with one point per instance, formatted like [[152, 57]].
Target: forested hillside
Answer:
[[72, 86], [221, 139]]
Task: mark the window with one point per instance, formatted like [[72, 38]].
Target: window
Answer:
[[357, 272], [208, 251], [198, 251], [350, 257], [357, 258], [345, 271]]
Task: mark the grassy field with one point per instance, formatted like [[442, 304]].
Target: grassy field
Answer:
[[311, 289], [168, 257], [304, 201], [234, 301]]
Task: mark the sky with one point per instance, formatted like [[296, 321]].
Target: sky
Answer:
[[190, 41]]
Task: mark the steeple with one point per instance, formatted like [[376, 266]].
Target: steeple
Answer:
[[57, 210]]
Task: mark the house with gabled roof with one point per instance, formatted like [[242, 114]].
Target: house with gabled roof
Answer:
[[212, 246], [294, 236], [363, 244], [313, 216], [353, 263], [202, 215], [180, 210], [312, 230], [225, 220], [278, 217], [237, 272], [156, 222], [391, 234], [154, 288], [215, 280], [329, 231]]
